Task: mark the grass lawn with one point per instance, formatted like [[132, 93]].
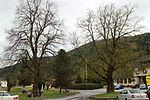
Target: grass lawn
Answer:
[[107, 95], [47, 94]]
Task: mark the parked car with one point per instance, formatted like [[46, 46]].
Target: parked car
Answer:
[[132, 94], [143, 86], [135, 86], [4, 95], [24, 91], [118, 87]]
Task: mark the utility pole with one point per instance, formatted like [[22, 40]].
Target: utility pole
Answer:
[[86, 69]]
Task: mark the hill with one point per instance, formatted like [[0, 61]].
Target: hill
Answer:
[[140, 42], [140, 46]]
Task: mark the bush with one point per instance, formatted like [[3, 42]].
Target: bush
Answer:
[[85, 86]]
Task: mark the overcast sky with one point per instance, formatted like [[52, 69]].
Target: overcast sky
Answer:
[[69, 11]]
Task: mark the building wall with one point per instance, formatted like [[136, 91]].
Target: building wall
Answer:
[[139, 78], [3, 83], [140, 75], [125, 82]]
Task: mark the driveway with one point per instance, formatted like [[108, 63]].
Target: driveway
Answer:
[[83, 95]]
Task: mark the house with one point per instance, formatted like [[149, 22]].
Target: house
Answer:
[[124, 76], [125, 82], [142, 76], [3, 82]]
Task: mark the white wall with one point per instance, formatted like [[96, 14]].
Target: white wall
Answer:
[[3, 83]]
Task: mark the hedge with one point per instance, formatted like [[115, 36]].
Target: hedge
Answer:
[[85, 86]]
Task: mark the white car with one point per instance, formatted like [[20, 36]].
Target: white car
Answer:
[[143, 86], [132, 94], [4, 95]]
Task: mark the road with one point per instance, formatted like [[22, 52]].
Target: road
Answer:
[[83, 95]]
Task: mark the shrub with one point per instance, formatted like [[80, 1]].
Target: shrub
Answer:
[[85, 86]]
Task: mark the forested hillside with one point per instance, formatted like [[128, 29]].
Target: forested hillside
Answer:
[[84, 60]]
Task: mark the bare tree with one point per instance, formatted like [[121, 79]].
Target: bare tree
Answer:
[[36, 32], [81, 55], [109, 24], [74, 40]]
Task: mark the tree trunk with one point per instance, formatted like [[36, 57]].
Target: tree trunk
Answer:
[[60, 90], [8, 89], [36, 79], [110, 82], [35, 88], [47, 86]]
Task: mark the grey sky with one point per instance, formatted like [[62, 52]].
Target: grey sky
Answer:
[[69, 10]]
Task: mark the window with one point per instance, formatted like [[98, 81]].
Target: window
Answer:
[[125, 80], [117, 81], [144, 71], [1, 94], [121, 80], [124, 92], [9, 94], [129, 80], [134, 91], [5, 94]]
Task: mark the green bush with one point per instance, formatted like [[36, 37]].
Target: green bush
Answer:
[[85, 86]]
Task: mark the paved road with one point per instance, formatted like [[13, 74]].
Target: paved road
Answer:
[[83, 95]]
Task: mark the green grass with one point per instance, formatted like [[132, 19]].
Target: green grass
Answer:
[[47, 94], [55, 93], [107, 95]]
